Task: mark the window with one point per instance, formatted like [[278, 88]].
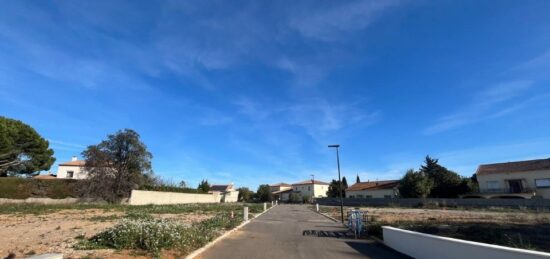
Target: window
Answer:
[[351, 196], [542, 183], [368, 196], [493, 185], [359, 196], [309, 188], [70, 174], [387, 196]]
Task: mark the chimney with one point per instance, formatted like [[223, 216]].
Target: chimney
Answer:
[[74, 158]]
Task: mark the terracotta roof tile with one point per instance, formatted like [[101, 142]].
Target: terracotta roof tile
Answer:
[[220, 187], [279, 184], [307, 182], [74, 163], [514, 167]]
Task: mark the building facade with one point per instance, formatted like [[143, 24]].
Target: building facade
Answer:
[[311, 188], [521, 179], [374, 189], [226, 192], [73, 169], [279, 187]]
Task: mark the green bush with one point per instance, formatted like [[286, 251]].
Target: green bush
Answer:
[[22, 188], [153, 235], [294, 198]]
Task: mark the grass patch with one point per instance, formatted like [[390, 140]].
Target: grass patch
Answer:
[[154, 235]]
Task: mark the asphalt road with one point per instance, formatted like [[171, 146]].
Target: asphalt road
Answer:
[[292, 231]]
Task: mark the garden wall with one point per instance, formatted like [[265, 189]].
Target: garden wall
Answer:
[[420, 245], [417, 202], [140, 197]]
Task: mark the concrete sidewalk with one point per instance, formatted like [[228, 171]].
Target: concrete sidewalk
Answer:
[[292, 231]]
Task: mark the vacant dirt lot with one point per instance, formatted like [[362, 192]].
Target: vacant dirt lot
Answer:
[[512, 228], [390, 215], [26, 234]]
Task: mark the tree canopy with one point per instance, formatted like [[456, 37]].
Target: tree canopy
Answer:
[[433, 180], [245, 194], [415, 184], [334, 189], [116, 166], [22, 149], [204, 186], [446, 183], [264, 193], [344, 183]]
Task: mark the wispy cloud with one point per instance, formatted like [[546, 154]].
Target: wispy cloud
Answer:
[[332, 22], [491, 103], [66, 146], [317, 116]]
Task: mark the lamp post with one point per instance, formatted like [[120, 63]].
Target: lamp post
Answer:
[[339, 181]]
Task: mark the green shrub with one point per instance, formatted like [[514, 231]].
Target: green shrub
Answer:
[[153, 235], [22, 188]]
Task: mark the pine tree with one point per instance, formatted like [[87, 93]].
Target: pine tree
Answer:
[[204, 186]]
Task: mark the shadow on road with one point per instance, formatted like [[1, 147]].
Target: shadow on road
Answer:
[[375, 250], [323, 233]]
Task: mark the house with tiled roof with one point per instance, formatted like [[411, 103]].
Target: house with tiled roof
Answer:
[[311, 188], [374, 189], [279, 187], [73, 169], [307, 188], [227, 192], [520, 179]]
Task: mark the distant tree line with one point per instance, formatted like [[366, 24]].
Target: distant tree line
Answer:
[[435, 181]]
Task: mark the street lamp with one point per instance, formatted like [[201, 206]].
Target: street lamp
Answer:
[[339, 181]]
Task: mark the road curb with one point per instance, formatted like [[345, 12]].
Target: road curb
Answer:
[[223, 236], [329, 217]]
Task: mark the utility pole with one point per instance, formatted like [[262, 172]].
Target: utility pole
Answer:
[[339, 182]]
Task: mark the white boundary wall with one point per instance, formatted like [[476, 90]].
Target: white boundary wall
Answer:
[[425, 246], [139, 197]]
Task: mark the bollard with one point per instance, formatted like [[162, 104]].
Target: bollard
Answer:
[[271, 203], [276, 202], [265, 206], [317, 207], [245, 213]]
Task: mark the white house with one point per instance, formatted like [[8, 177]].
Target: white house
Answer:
[[281, 191], [73, 169], [311, 188], [226, 191], [374, 189], [521, 179]]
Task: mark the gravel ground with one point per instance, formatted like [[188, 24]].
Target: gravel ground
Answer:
[[27, 234]]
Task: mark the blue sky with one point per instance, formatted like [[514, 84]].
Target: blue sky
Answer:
[[252, 92]]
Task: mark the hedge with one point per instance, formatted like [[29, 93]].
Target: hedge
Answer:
[[22, 188]]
